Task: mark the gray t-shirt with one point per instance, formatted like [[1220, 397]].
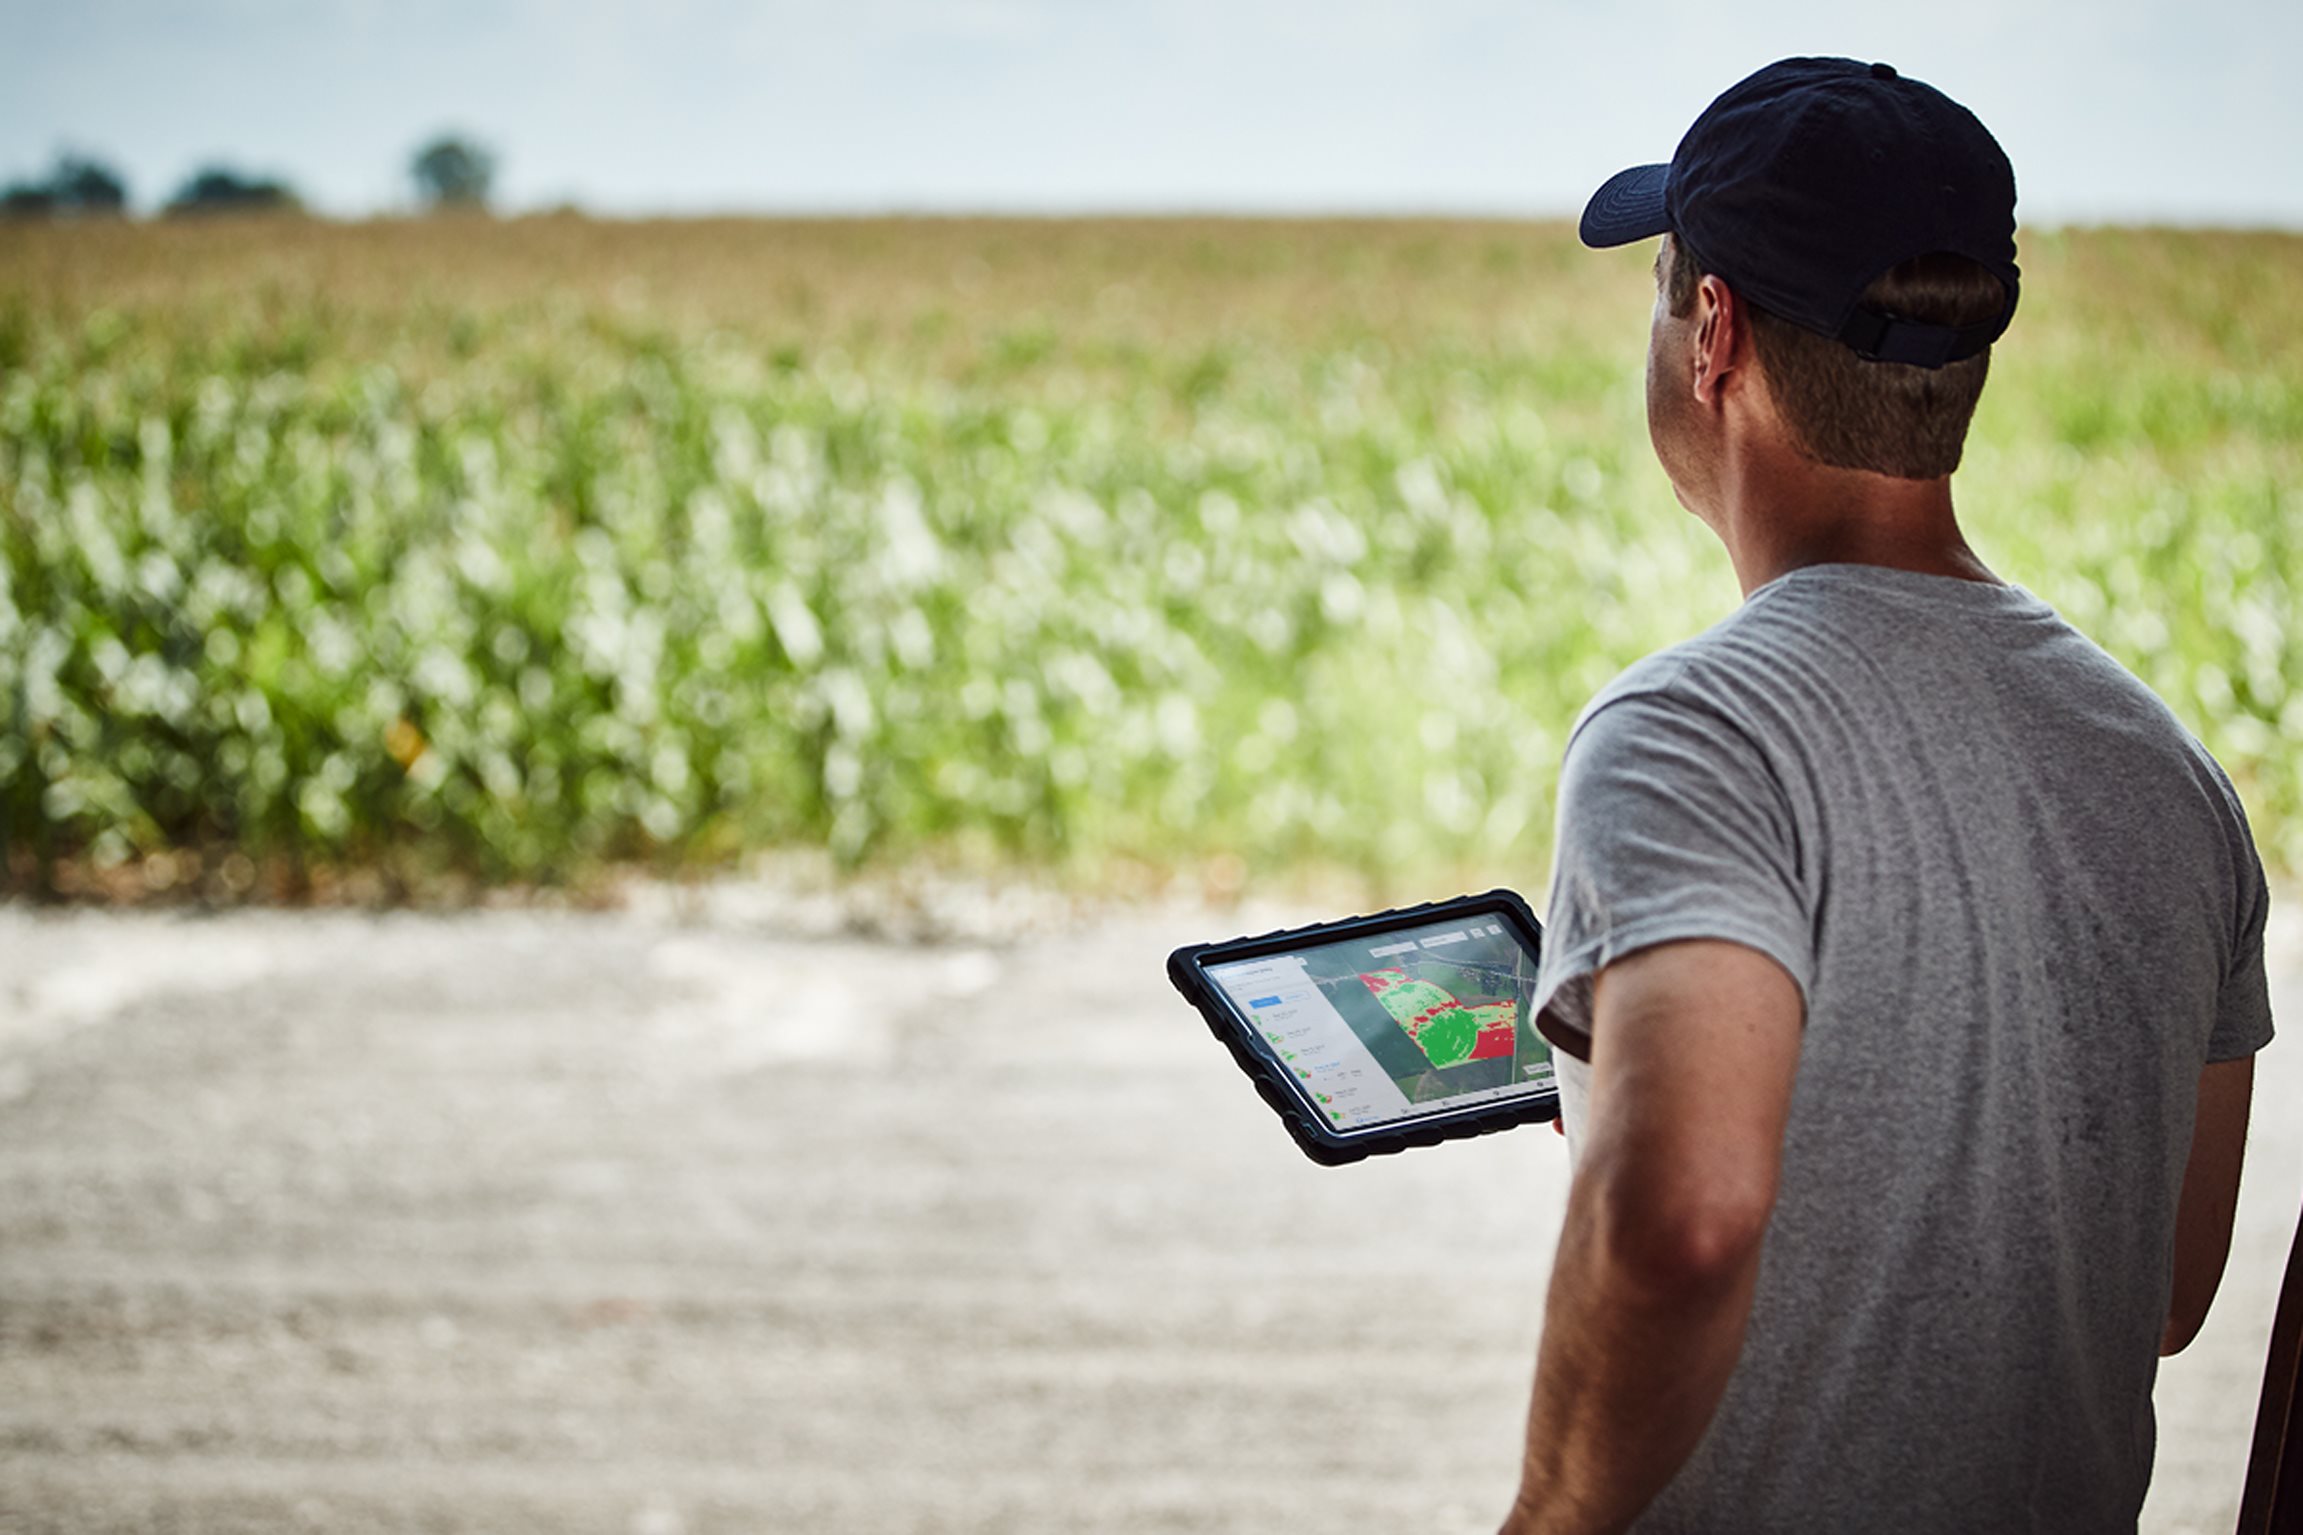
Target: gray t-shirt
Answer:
[[2023, 908]]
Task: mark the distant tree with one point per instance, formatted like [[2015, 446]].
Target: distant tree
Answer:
[[452, 172], [77, 185], [220, 189], [87, 185], [27, 200]]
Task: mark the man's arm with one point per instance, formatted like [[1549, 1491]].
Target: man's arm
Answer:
[[1694, 1048], [2210, 1197]]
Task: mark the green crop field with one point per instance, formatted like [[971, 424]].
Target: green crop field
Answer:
[[357, 557]]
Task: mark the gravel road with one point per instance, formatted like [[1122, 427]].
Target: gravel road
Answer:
[[652, 1224]]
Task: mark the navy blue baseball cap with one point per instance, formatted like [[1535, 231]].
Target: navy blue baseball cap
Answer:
[[1807, 180]]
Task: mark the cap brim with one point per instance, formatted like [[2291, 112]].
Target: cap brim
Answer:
[[1629, 207]]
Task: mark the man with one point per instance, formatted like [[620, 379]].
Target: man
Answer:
[[1905, 954]]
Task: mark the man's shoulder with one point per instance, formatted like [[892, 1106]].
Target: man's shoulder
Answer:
[[1688, 678], [1866, 635], [1650, 676]]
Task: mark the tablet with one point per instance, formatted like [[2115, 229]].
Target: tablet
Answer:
[[1378, 1033]]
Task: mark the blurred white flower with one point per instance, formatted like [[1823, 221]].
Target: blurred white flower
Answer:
[[909, 554], [795, 626]]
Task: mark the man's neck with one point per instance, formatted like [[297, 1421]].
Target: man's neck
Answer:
[[1779, 512]]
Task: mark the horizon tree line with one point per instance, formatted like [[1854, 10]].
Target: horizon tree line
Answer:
[[450, 173]]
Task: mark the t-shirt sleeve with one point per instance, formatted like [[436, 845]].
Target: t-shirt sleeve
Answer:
[[2243, 1007], [1671, 825]]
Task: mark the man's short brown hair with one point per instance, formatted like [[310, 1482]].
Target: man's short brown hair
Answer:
[[1845, 410]]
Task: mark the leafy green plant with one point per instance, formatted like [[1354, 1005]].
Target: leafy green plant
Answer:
[[1291, 550]]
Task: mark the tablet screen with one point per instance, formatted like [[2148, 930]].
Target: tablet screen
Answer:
[[1398, 1025]]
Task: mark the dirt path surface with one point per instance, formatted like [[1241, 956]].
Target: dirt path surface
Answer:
[[517, 1221]]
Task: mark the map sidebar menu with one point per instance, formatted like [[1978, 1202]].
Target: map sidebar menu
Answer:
[[1310, 1038]]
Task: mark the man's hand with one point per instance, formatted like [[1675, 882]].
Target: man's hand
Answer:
[[1694, 1048]]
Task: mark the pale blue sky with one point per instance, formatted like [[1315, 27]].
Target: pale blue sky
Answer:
[[2121, 109]]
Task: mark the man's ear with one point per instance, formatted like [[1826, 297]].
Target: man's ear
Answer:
[[1721, 336]]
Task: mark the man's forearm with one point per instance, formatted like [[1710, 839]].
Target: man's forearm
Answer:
[[2210, 1199], [1695, 1049], [1638, 1344]]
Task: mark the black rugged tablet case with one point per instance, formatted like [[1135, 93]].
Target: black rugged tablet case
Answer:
[[1321, 1142]]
